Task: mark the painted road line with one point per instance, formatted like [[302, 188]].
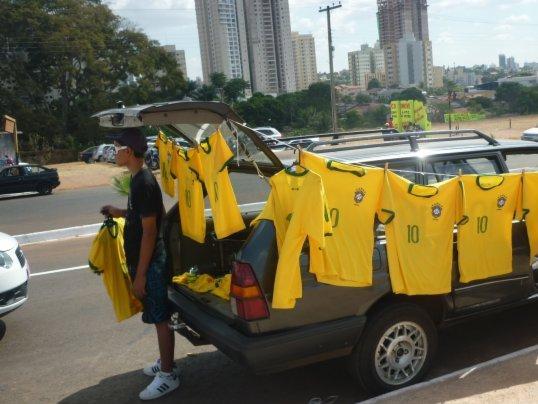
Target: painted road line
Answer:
[[462, 373], [58, 234], [56, 271]]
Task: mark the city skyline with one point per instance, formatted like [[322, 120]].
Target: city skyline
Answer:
[[493, 25]]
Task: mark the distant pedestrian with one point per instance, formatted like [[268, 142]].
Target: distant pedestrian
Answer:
[[146, 255]]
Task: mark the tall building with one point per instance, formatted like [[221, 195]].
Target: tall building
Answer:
[[511, 64], [410, 61], [502, 62], [398, 19], [268, 26], [438, 75], [249, 39], [304, 55], [223, 40], [367, 64], [179, 55]]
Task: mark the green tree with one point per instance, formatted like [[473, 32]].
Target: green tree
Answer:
[[352, 120], [234, 89], [363, 99], [374, 83], [478, 104], [205, 93], [63, 60], [411, 93], [218, 81], [509, 93]]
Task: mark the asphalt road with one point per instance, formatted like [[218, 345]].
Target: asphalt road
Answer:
[[29, 213], [64, 345]]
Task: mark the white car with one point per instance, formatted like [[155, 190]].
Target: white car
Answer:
[[110, 154], [14, 275], [99, 153], [530, 134], [268, 132]]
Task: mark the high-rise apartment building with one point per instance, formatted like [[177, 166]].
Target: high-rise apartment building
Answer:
[[249, 39], [367, 64], [502, 61], [438, 75], [511, 64], [223, 40], [269, 43], [402, 18], [179, 55], [304, 55]]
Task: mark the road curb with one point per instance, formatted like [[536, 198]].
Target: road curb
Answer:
[[58, 234]]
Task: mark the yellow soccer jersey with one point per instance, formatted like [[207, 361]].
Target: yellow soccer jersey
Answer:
[[419, 225], [490, 203], [186, 167], [166, 149], [353, 196], [214, 156], [530, 209], [297, 206], [107, 257]]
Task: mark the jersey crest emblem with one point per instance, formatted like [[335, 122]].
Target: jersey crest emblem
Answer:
[[360, 194], [437, 210], [501, 201]]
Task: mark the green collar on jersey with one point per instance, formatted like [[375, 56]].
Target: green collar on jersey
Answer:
[[205, 142], [422, 191], [481, 181], [345, 168], [288, 170]]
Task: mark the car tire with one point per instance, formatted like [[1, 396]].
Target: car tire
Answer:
[[45, 189], [395, 350]]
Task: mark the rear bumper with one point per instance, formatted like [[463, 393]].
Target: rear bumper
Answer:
[[276, 351]]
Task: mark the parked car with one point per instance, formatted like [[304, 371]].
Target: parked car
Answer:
[[269, 132], [87, 155], [14, 275], [28, 178], [99, 154], [530, 134], [330, 321], [110, 154]]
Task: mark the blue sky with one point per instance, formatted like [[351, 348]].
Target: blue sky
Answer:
[[463, 32]]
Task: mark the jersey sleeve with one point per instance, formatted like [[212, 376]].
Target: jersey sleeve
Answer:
[[268, 212], [222, 153], [174, 162], [519, 214], [461, 206], [316, 221], [385, 214]]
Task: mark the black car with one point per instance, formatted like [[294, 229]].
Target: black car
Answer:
[[364, 325], [28, 178], [87, 155]]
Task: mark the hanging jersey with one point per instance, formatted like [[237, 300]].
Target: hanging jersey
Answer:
[[297, 206], [107, 257], [186, 166], [530, 209], [352, 195], [166, 149], [419, 224], [485, 236], [214, 156]]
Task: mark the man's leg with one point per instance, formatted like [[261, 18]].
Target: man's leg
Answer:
[[165, 337]]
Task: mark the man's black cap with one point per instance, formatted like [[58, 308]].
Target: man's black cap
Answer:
[[132, 137]]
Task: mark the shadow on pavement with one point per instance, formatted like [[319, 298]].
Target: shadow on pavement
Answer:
[[211, 377]]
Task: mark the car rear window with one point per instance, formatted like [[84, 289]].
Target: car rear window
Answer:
[[442, 170], [518, 161]]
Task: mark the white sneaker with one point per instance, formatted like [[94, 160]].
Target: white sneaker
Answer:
[[162, 384], [154, 368]]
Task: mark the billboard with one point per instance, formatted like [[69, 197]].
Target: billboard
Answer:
[[409, 112], [464, 117]]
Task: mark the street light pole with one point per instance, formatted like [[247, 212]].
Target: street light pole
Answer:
[[328, 10]]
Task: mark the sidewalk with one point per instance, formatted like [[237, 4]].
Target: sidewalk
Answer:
[[509, 379]]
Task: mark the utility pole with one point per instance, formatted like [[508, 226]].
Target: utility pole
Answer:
[[328, 10]]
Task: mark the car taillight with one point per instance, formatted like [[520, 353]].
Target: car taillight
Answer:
[[247, 299]]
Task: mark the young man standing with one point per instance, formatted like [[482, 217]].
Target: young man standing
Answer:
[[146, 256]]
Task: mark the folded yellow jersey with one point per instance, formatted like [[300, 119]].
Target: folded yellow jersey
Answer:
[[204, 283], [107, 257], [222, 287]]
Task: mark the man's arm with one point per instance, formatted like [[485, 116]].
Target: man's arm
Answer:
[[147, 246]]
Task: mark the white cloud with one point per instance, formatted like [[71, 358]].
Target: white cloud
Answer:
[[446, 37], [517, 18], [448, 4]]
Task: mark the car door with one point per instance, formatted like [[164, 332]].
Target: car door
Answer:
[[492, 291], [12, 180]]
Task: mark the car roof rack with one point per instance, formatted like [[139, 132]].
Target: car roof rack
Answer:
[[401, 138], [336, 135]]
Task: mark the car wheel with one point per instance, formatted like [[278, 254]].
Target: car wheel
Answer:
[[396, 349], [45, 189], [2, 329]]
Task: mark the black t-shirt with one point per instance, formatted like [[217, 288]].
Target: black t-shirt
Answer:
[[145, 199]]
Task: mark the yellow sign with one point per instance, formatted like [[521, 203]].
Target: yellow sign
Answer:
[[409, 112], [464, 117]]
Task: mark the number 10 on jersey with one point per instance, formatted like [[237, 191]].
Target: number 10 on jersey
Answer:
[[412, 234]]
